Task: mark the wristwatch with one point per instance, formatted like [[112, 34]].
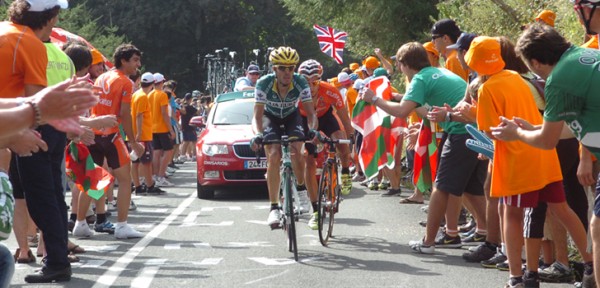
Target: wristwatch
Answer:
[[374, 99], [448, 117]]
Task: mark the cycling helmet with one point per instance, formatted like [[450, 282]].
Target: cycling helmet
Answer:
[[284, 56], [592, 4], [310, 68]]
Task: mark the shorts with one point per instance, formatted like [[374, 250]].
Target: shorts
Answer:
[[113, 148], [190, 136], [147, 156], [178, 135], [292, 126], [162, 141], [328, 123], [459, 169], [551, 193]]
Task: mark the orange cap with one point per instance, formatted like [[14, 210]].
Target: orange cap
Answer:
[[547, 17], [96, 57], [334, 81], [372, 62], [430, 48], [354, 66], [484, 56]]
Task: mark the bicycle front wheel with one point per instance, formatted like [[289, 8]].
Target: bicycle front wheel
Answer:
[[290, 223], [326, 204]]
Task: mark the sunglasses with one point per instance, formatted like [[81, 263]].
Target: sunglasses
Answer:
[[283, 68]]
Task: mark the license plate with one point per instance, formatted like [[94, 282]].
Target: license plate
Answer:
[[251, 164]]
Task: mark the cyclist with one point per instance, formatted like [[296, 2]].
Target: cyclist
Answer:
[[325, 98], [277, 96]]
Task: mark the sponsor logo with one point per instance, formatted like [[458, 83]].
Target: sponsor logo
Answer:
[[106, 102], [216, 163]]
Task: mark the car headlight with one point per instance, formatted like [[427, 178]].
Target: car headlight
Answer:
[[214, 149]]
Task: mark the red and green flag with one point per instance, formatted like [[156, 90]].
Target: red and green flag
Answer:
[[425, 166], [82, 170], [380, 130]]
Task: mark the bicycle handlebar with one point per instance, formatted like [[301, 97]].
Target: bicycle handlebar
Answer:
[[324, 139], [276, 141]]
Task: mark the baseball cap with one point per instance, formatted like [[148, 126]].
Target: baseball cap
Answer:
[[344, 78], [158, 78], [463, 42], [546, 16], [380, 72], [354, 66], [147, 78], [43, 5], [430, 48], [96, 57], [445, 27], [253, 69], [187, 96], [484, 56], [372, 62], [353, 76]]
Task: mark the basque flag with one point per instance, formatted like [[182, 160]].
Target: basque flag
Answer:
[[332, 42]]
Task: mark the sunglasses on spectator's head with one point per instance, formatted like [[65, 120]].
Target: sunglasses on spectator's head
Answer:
[[285, 68]]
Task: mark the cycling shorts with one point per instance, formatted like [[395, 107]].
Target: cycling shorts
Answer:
[[292, 126]]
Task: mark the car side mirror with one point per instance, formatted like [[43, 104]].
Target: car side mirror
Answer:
[[198, 121]]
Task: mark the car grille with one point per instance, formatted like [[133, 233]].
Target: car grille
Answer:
[[244, 151], [245, 175]]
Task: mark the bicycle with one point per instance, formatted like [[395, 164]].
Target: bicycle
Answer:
[[288, 214], [329, 189]]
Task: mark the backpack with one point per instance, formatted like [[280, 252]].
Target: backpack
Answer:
[[539, 84]]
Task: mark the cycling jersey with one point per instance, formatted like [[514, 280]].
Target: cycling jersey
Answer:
[[266, 93], [328, 96]]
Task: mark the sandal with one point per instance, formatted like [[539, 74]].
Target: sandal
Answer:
[[410, 201], [30, 258], [76, 249], [72, 258]]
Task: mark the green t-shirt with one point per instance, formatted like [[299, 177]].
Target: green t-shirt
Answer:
[[573, 94], [265, 93], [435, 87], [60, 66]]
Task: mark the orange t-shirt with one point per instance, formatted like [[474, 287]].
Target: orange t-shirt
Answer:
[[23, 60], [116, 88], [157, 99], [327, 96], [518, 167], [592, 43], [140, 105], [351, 95], [453, 65]]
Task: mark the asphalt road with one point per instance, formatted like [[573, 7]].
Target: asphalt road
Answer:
[[225, 243]]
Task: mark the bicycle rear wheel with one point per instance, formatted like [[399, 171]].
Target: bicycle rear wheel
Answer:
[[290, 223], [326, 204]]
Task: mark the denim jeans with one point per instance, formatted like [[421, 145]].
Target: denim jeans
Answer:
[[7, 266]]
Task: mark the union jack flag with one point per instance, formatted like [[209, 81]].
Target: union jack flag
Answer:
[[331, 41]]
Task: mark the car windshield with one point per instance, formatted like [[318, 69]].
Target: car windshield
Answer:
[[236, 112]]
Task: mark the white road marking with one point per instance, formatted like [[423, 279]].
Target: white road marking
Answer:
[[92, 263], [266, 278], [156, 262], [173, 246], [249, 244], [259, 222], [209, 261], [191, 218], [113, 272], [202, 245], [157, 210], [145, 277], [105, 248], [230, 208], [280, 261], [145, 227], [262, 207], [222, 223], [186, 171]]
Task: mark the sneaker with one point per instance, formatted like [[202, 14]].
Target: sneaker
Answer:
[[105, 227], [171, 170], [126, 231], [132, 206], [425, 209], [112, 206], [373, 185], [467, 227], [274, 218], [346, 184], [503, 266], [482, 253], [515, 282], [304, 201], [556, 273], [140, 190], [358, 178], [313, 223], [531, 280], [162, 182], [71, 225], [419, 247], [448, 241], [383, 185], [155, 191], [392, 192], [352, 169], [492, 262], [474, 239], [82, 230]]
